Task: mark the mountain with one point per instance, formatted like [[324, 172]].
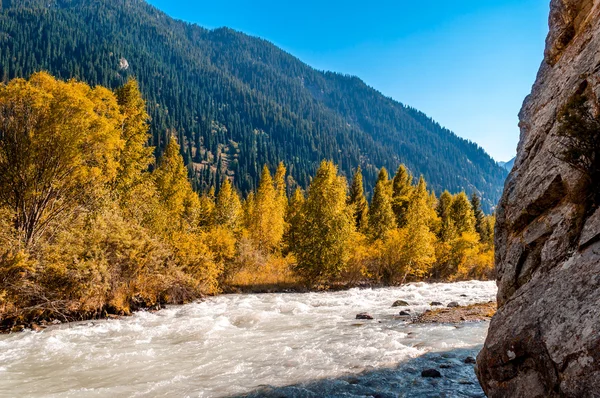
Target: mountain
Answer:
[[508, 165], [235, 101]]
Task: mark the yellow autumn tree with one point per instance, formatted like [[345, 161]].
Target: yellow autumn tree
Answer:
[[177, 199], [416, 242], [266, 220], [381, 213], [402, 191], [136, 156], [326, 227], [228, 209], [59, 145]]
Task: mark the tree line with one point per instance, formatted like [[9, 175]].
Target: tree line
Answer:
[[91, 223], [236, 102]]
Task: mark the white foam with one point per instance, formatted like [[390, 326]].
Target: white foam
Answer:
[[230, 344]]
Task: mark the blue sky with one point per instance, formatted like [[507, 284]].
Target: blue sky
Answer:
[[467, 63]]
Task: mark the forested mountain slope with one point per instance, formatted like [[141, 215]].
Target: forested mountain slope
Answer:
[[237, 102]]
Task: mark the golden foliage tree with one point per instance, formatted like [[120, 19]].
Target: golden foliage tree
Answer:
[[418, 251], [59, 144], [381, 214], [267, 214], [228, 209], [177, 199], [136, 156], [322, 247], [402, 191]]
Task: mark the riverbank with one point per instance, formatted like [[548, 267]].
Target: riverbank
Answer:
[[445, 315]]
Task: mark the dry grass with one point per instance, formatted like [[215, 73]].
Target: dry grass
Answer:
[[276, 273]]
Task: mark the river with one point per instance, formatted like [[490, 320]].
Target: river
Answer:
[[305, 345]]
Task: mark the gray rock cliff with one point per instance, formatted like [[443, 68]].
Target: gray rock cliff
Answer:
[[545, 339]]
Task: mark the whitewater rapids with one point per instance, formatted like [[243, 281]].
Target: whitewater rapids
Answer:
[[256, 344]]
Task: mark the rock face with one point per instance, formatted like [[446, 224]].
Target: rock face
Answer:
[[545, 338]]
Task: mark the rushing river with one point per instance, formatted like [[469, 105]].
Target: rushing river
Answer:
[[306, 345]]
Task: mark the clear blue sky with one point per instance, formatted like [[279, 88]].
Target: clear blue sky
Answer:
[[467, 63]]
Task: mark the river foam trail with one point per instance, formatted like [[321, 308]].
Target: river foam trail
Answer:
[[237, 344]]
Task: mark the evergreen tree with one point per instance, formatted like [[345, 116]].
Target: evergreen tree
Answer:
[[176, 196], [136, 156], [357, 200], [384, 177], [267, 222], [479, 216], [447, 231], [418, 249], [322, 247], [381, 214], [402, 191], [294, 218], [462, 214]]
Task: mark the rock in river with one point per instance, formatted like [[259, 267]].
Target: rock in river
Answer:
[[431, 373], [400, 303]]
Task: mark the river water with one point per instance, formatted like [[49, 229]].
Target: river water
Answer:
[[279, 345]]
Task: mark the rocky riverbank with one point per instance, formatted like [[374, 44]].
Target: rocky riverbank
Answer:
[[457, 314]]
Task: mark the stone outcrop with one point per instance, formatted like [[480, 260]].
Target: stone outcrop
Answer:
[[544, 340]]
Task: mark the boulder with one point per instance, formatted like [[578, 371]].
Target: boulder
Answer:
[[364, 315], [432, 373], [435, 303], [544, 340], [400, 303], [404, 313], [453, 304], [470, 360]]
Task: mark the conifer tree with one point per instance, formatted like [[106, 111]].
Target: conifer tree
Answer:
[[136, 156], [381, 214], [174, 189], [418, 249], [293, 218], [487, 234], [479, 216], [267, 222], [384, 176], [228, 209], [326, 228], [447, 231], [357, 200], [280, 184], [281, 198], [402, 190], [206, 210], [248, 211], [462, 214]]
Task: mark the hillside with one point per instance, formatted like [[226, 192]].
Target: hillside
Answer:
[[236, 101]]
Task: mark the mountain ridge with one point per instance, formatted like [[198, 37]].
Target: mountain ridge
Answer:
[[237, 101]]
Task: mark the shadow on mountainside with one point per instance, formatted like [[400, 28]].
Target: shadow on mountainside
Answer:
[[458, 380]]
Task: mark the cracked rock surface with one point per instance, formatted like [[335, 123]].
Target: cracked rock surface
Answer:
[[544, 341]]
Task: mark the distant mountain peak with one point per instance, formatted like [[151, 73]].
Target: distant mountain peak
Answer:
[[508, 165]]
